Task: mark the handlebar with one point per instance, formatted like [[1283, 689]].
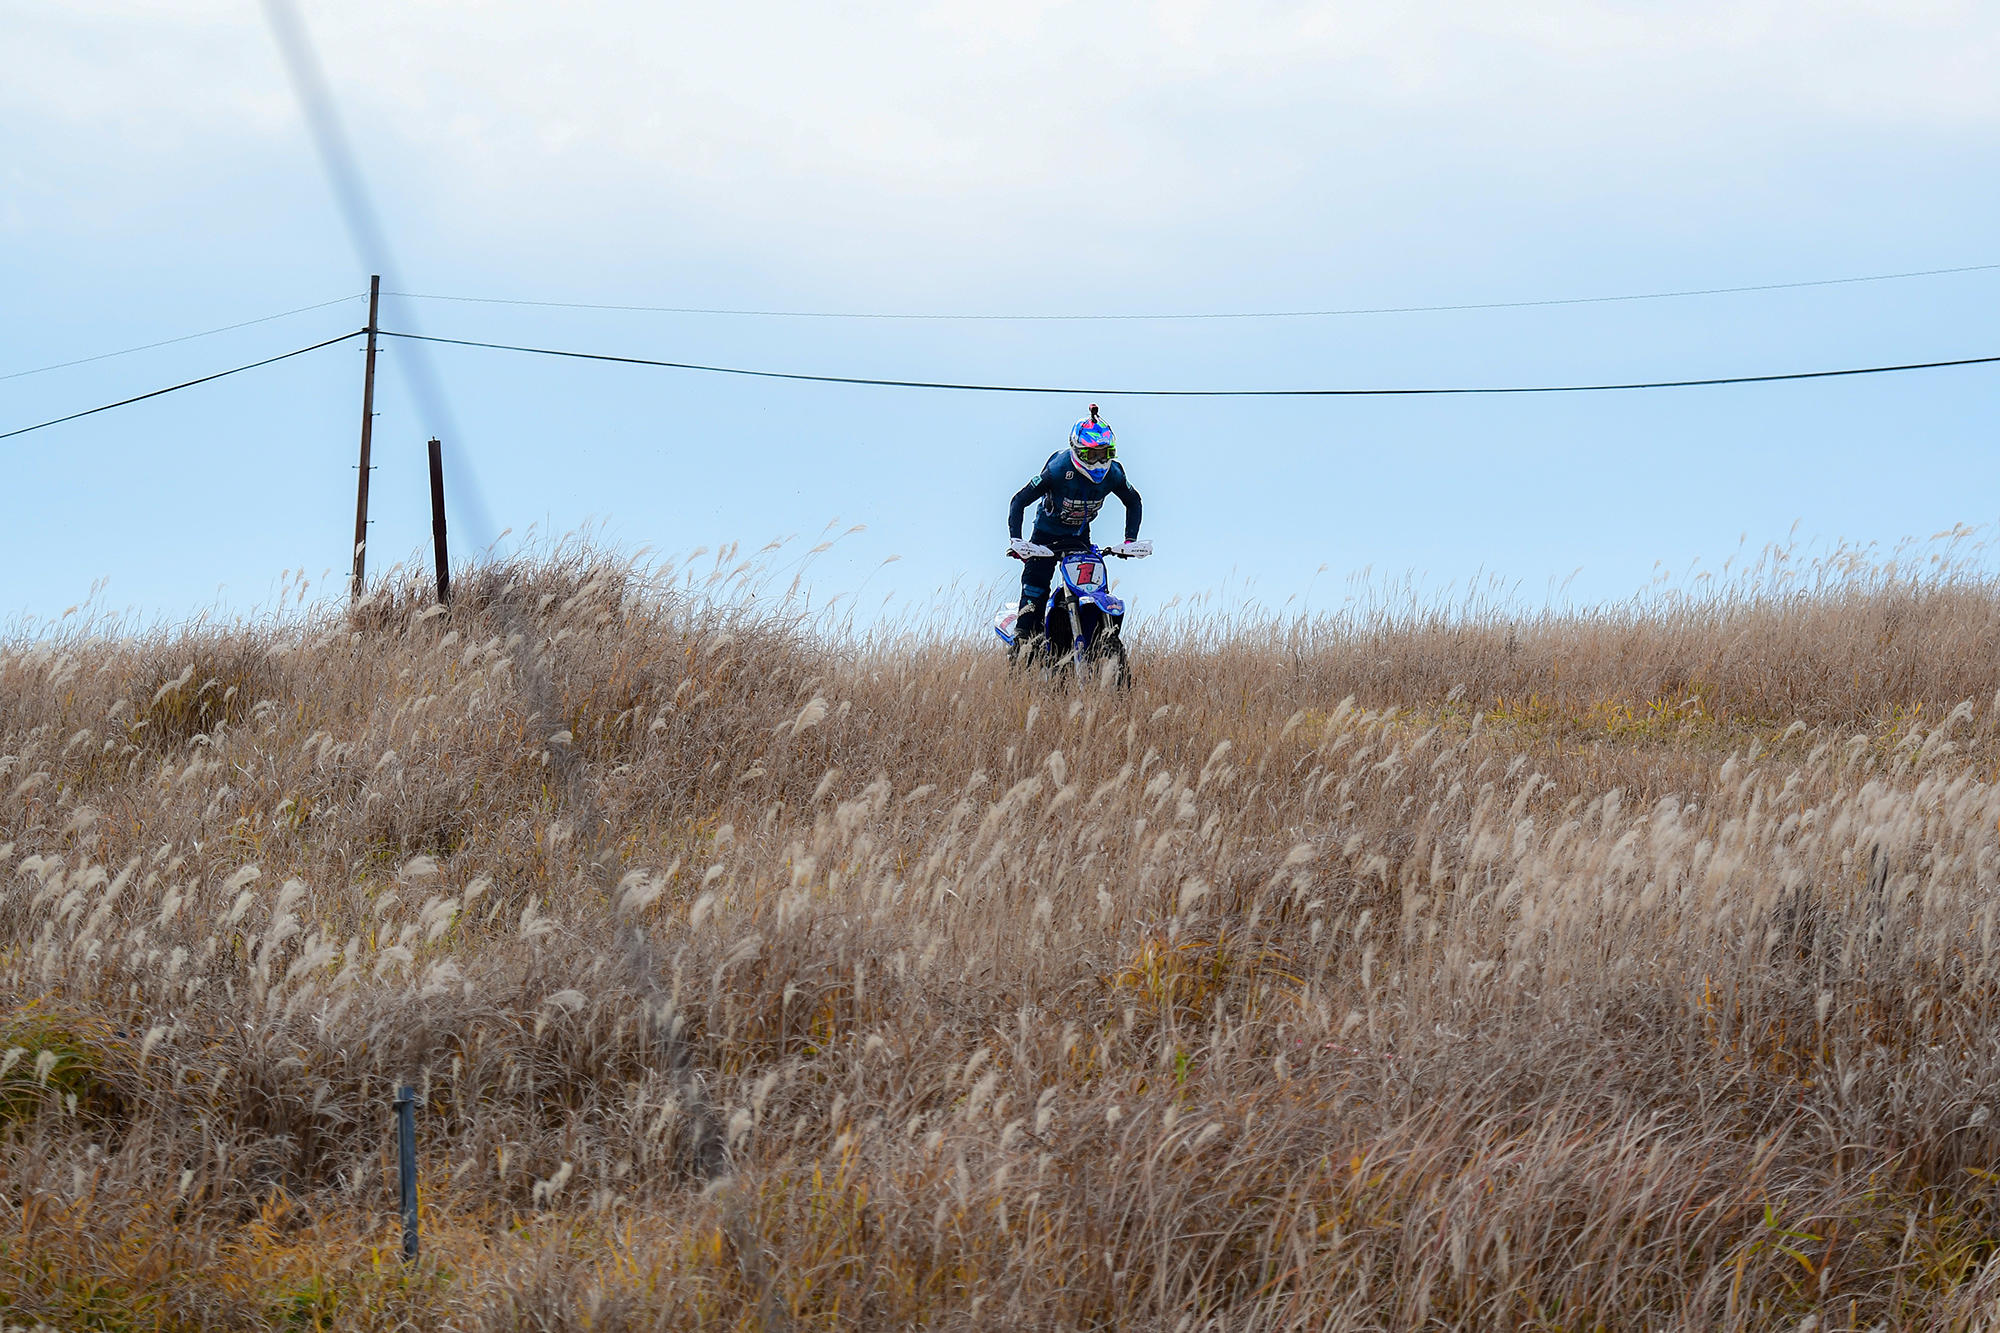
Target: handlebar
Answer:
[[1109, 551]]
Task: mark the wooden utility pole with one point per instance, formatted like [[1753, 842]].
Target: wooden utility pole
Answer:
[[437, 523], [367, 431]]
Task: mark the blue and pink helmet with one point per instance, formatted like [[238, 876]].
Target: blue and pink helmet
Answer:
[[1092, 446]]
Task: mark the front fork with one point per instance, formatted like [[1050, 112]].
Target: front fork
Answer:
[[1079, 655], [1079, 651]]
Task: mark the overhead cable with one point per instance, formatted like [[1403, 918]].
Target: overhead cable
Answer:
[[185, 337], [1222, 314], [1200, 393], [186, 384]]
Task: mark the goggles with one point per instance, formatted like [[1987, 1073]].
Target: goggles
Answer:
[[1093, 454]]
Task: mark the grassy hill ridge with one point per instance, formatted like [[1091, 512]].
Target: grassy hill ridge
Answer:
[[1595, 969]]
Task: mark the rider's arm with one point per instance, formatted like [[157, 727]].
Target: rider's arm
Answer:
[[1024, 497], [1121, 486]]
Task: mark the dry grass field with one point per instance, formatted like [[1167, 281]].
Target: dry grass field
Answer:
[[1617, 969]]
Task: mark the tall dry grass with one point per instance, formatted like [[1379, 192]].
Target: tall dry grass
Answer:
[[1606, 969]]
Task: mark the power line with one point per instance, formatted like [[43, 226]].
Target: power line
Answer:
[[185, 337], [1026, 388], [187, 384], [1224, 314], [1201, 393]]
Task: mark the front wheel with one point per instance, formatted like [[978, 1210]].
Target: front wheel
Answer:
[[1107, 662]]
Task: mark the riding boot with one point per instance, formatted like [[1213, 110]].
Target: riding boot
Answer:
[[1027, 633]]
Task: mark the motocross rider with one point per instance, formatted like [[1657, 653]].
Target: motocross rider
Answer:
[[1071, 487]]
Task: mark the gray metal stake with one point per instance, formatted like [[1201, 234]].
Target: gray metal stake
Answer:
[[406, 1155]]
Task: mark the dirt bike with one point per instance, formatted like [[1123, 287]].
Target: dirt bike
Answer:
[[1083, 627]]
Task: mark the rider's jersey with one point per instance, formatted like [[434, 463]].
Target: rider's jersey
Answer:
[[1070, 499]]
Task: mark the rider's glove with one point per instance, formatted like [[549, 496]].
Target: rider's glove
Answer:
[[1133, 549], [1026, 550]]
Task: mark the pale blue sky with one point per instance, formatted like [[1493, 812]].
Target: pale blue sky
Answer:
[[157, 178]]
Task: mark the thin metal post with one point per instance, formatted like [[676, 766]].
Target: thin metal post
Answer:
[[406, 1160], [367, 434], [437, 523]]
